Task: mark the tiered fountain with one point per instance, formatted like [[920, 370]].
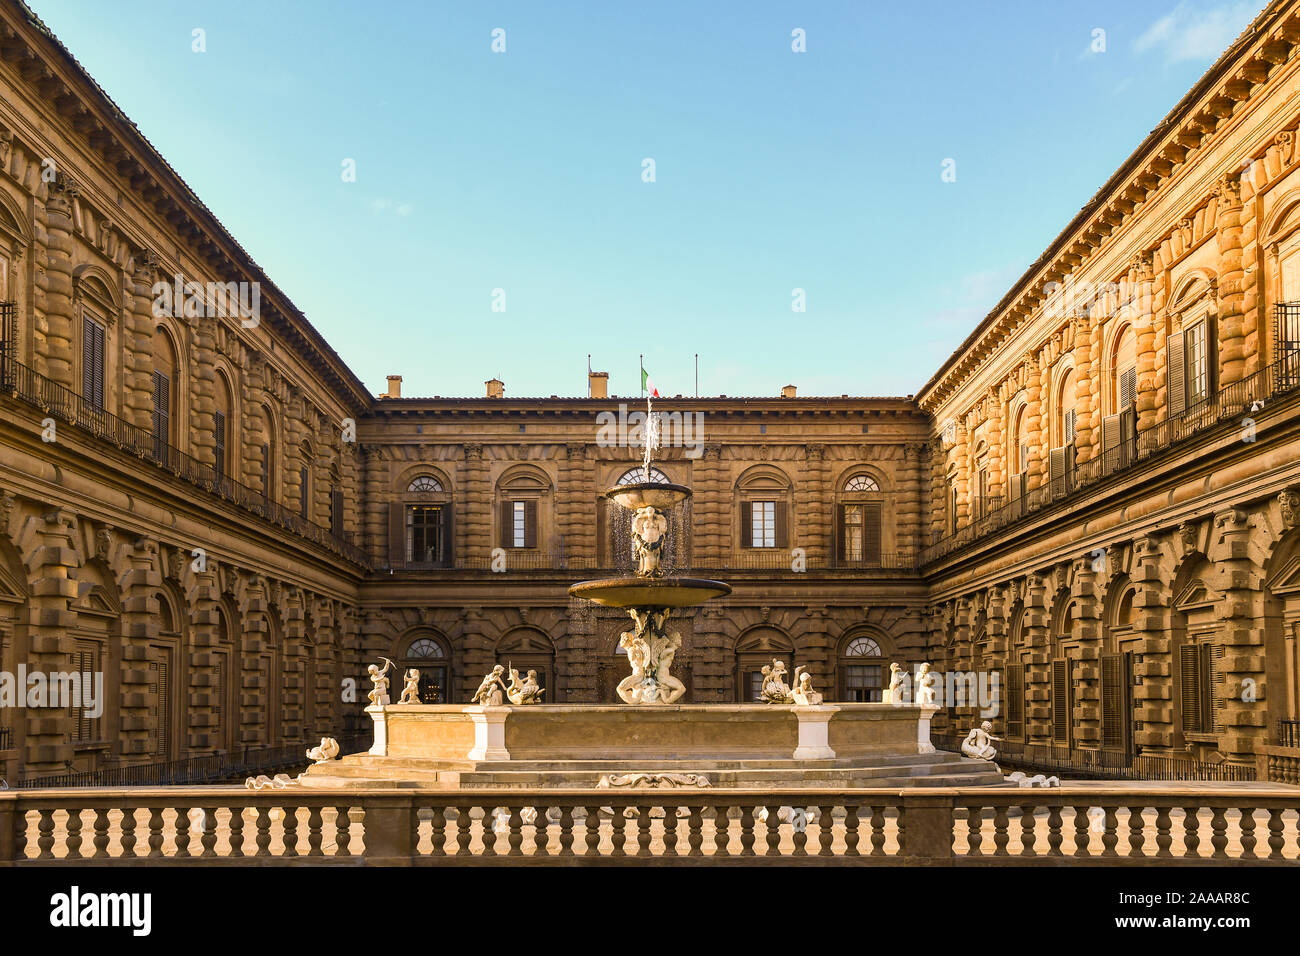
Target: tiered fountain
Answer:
[[650, 739]]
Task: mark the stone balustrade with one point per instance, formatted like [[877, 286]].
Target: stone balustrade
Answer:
[[1086, 824]]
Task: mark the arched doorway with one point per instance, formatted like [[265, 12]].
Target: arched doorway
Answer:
[[427, 652], [756, 649]]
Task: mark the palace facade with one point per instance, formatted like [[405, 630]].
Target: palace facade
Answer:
[[1096, 498]]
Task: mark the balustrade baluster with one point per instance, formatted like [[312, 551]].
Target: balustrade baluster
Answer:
[[289, 830], [155, 832], [263, 841], [73, 841], [747, 831], [1164, 838], [799, 836], [437, 831], [1191, 831], [100, 839], [1081, 835], [851, 830], [1000, 836], [591, 832], [313, 832], [644, 823], [181, 836], [1028, 836], [1219, 839], [773, 835], [618, 825], [208, 838], [45, 838], [670, 831], [1054, 837], [566, 830], [542, 833], [515, 838], [825, 831], [236, 831], [1136, 837], [974, 831], [721, 830], [1248, 833], [695, 830], [1110, 835], [1275, 840]]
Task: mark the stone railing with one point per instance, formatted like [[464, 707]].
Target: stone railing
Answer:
[[1279, 764], [918, 826]]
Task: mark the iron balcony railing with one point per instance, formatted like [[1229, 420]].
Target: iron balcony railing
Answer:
[[755, 559], [6, 738], [210, 768], [63, 404], [1228, 408], [1103, 764]]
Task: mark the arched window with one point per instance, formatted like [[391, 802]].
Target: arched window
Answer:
[[424, 483], [421, 534], [268, 453], [222, 424], [1065, 420], [427, 653], [860, 519], [1191, 352], [164, 394], [639, 476], [862, 670], [1123, 370]]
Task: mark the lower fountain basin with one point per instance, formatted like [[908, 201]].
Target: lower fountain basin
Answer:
[[650, 592]]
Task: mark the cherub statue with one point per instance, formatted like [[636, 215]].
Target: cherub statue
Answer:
[[803, 692], [926, 682], [979, 742], [327, 751], [524, 691], [490, 693], [774, 689], [411, 689], [894, 693], [649, 528], [379, 693]]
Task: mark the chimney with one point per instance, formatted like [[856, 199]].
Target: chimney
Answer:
[[598, 384], [788, 391], [394, 387], [495, 388]]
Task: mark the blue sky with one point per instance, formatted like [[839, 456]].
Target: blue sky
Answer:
[[522, 170]]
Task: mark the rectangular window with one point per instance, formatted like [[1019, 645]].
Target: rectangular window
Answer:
[[336, 512], [1198, 370], [853, 521], [763, 524], [518, 525], [85, 661], [423, 534], [1197, 673], [92, 362], [863, 683]]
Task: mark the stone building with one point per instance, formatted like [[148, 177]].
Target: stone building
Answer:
[[1095, 498]]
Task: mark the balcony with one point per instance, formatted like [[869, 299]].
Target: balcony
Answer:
[[749, 559], [22, 383], [1222, 411]]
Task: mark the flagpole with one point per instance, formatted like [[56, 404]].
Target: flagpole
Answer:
[[641, 359], [697, 374]]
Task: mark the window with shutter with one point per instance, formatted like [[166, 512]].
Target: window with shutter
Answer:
[[530, 523], [1127, 387], [1061, 688], [1111, 443], [304, 491], [396, 535], [782, 526], [266, 470], [336, 512], [1114, 702], [1190, 692], [1176, 365], [1071, 422], [746, 525], [92, 362], [1056, 470], [762, 524], [161, 417], [871, 532], [1195, 343], [1015, 706], [219, 452]]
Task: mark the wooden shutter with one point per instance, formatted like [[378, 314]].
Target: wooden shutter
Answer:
[[92, 361], [1061, 701], [396, 535], [1127, 387], [1215, 685], [871, 521], [1189, 674], [746, 524], [162, 388], [1071, 426], [304, 491], [447, 545], [1176, 380], [507, 538], [1112, 440], [841, 531], [781, 516], [336, 512], [1015, 707], [603, 549], [530, 523], [266, 470], [1015, 487], [1056, 469], [162, 697], [219, 430], [1113, 692]]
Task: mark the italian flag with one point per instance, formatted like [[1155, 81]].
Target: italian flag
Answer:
[[648, 384]]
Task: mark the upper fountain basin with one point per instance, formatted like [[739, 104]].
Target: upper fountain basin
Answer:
[[650, 592], [660, 496]]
